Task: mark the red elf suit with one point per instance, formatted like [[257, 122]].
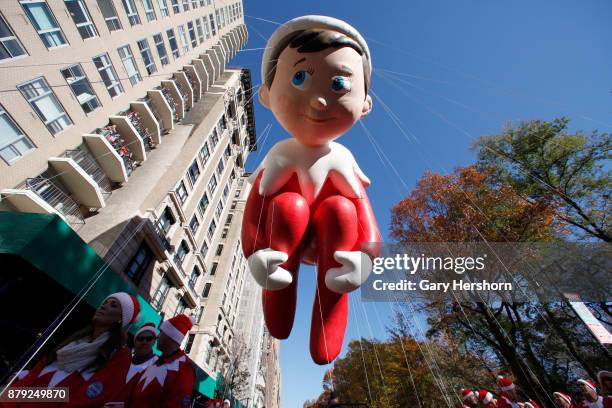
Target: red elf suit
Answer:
[[169, 382], [486, 398], [87, 387], [504, 401], [308, 204]]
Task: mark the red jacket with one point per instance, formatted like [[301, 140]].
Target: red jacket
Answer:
[[85, 391], [166, 384], [504, 402], [607, 401]]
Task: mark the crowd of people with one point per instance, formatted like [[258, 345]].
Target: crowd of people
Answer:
[[510, 397], [99, 370]]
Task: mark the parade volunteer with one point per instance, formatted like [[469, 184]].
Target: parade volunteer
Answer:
[[93, 362]]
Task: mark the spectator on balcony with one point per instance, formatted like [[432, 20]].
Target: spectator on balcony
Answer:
[[91, 363]]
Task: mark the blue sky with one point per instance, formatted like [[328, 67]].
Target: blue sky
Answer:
[[451, 71]]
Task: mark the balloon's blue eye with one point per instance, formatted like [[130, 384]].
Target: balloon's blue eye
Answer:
[[301, 79], [341, 84]]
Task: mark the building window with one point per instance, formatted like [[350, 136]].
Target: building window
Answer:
[[194, 4], [212, 184], [206, 28], [214, 138], [213, 269], [220, 167], [222, 17], [180, 308], [80, 15], [218, 18], [228, 221], [181, 192], [44, 22], [175, 7], [204, 249], [159, 297], [129, 63], [181, 252], [110, 14], [189, 344], [166, 220], [45, 103], [80, 86], [192, 36], [194, 224], [211, 229], [185, 5], [212, 24], [147, 56], [224, 233], [198, 24], [149, 10], [193, 278], [183, 37], [219, 210], [226, 192], [173, 43], [161, 49], [10, 47], [163, 8], [132, 13], [219, 250], [13, 143], [222, 123], [204, 153], [108, 75], [139, 263], [193, 172], [198, 317], [203, 204], [206, 290]]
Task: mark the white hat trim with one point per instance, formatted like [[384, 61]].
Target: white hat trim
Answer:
[[147, 328], [488, 397], [565, 397], [307, 23], [585, 382], [507, 387], [466, 396], [127, 307], [169, 330]]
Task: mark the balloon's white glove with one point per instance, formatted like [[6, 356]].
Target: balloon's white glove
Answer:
[[355, 269], [264, 266]]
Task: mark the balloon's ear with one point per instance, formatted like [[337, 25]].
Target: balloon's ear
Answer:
[[264, 96], [367, 106]]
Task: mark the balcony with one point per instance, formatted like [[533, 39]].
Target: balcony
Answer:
[[43, 196], [111, 135], [194, 81], [187, 94], [161, 108], [108, 157], [147, 121], [202, 74], [131, 137], [210, 65], [174, 98]]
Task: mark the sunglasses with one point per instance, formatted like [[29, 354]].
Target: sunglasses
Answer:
[[145, 338]]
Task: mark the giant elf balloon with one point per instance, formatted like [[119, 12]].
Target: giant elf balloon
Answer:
[[308, 202]]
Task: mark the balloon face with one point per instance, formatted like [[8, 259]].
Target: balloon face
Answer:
[[318, 96]]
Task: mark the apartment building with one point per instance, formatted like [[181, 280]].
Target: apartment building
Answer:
[[122, 151]]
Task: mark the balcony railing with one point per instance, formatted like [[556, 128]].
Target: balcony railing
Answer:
[[159, 232], [56, 198], [141, 129], [155, 112], [170, 100], [111, 134], [87, 162], [179, 265]]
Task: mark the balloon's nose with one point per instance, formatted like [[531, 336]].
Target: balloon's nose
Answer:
[[318, 103]]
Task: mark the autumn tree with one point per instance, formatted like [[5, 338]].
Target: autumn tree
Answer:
[[541, 160], [471, 206]]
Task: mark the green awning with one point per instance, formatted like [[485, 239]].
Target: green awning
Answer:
[[46, 242]]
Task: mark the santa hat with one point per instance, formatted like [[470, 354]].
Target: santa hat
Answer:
[[588, 382], [278, 40], [505, 384], [465, 394], [564, 396], [177, 327], [228, 401], [484, 396], [130, 308], [528, 405], [147, 327]]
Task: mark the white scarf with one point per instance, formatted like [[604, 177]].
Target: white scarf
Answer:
[[80, 353]]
